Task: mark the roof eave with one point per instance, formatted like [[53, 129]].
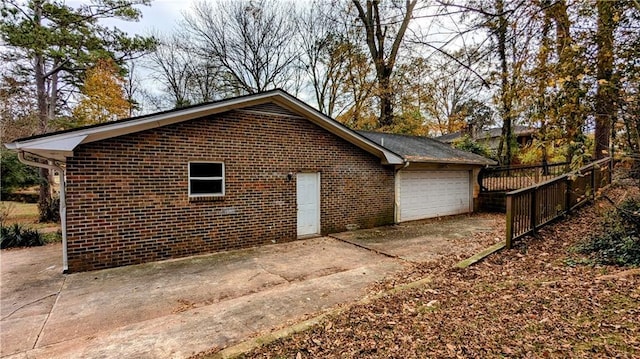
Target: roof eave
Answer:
[[451, 162], [59, 146]]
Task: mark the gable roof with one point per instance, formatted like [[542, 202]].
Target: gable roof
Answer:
[[424, 149], [60, 145]]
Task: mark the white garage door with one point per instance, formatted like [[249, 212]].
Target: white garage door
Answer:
[[428, 194]]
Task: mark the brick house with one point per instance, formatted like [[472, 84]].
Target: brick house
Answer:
[[238, 173]]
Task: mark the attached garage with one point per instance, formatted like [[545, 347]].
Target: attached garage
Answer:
[[431, 193], [436, 179]]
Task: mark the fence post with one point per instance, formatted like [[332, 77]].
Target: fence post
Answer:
[[593, 182], [509, 201], [610, 177], [532, 212], [567, 194]]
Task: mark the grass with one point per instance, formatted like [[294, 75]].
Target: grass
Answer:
[[18, 212], [26, 214]]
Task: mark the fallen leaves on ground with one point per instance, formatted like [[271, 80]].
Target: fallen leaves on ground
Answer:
[[529, 302]]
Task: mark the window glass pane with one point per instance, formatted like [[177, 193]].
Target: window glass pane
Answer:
[[199, 169], [206, 186]]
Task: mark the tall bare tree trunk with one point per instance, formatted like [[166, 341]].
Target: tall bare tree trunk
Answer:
[[505, 97], [375, 36], [568, 69], [44, 197], [542, 107], [606, 95]]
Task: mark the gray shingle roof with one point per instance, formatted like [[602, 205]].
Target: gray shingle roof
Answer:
[[424, 149]]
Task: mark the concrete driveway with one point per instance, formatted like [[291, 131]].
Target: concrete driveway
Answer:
[[182, 307]]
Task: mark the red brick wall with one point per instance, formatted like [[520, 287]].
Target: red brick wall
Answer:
[[127, 197]]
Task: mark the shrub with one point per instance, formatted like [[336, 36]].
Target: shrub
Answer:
[[466, 143], [49, 210], [18, 236], [618, 241], [15, 174]]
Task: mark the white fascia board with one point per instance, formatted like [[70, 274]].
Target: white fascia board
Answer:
[[51, 144], [66, 142], [55, 149], [62, 145]]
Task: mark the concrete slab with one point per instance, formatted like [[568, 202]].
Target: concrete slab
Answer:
[[425, 241], [29, 284], [221, 324], [152, 310]]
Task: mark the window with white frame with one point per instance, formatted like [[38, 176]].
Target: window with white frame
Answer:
[[206, 179]]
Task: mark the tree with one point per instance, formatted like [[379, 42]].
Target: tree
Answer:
[[475, 115], [57, 43], [447, 86], [14, 174], [606, 95], [324, 52], [17, 109], [505, 91], [251, 42], [507, 49], [569, 70], [358, 87], [187, 77], [103, 96], [383, 57], [626, 80]]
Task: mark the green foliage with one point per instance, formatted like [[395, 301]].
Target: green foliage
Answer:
[[15, 174], [18, 236], [409, 122], [534, 153], [466, 143], [75, 35], [618, 241], [53, 44], [580, 151]]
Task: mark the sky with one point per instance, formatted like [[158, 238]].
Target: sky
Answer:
[[162, 16]]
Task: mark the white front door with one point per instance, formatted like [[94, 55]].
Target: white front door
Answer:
[[308, 202]]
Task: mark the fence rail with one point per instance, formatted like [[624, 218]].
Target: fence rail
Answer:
[[531, 208], [506, 178]]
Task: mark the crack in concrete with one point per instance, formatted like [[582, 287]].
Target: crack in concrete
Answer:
[[28, 304], [377, 251], [269, 272], [64, 280]]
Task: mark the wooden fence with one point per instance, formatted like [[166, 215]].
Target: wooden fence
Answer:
[[505, 178], [531, 208]]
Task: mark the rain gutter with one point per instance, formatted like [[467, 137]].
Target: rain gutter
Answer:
[[63, 202]]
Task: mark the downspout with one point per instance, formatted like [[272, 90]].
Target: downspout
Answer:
[[63, 202], [396, 208]]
